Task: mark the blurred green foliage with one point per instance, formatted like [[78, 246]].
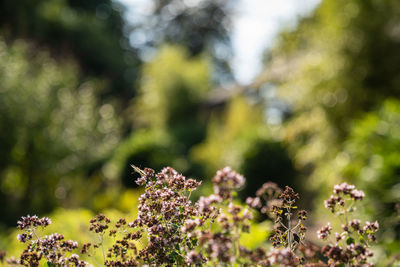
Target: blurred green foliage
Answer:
[[371, 158], [257, 235], [52, 130], [227, 136], [166, 115], [199, 26], [83, 30], [335, 71], [58, 57], [240, 138], [339, 62], [144, 148], [172, 89], [174, 127], [196, 26]]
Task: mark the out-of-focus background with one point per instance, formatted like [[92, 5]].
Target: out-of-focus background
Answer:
[[302, 93]]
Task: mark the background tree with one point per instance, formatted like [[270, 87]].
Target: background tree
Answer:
[[80, 29], [239, 137], [335, 66], [199, 26], [53, 130], [167, 114]]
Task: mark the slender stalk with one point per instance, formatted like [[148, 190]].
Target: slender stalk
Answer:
[[289, 228], [284, 226], [102, 247], [237, 252], [34, 233]]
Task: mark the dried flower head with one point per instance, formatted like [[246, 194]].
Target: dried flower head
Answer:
[[325, 231], [227, 180], [270, 190], [283, 257], [32, 221]]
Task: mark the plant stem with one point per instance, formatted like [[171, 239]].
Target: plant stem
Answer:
[[102, 247], [289, 228], [237, 243]]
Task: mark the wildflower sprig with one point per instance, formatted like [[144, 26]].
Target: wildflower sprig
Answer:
[[289, 229], [223, 246], [52, 249], [168, 216], [349, 246], [125, 239], [171, 230]]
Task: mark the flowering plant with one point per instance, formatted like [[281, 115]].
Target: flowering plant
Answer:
[[52, 248], [171, 230], [350, 245]]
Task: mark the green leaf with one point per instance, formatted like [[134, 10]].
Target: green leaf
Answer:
[[193, 241], [352, 209], [349, 240], [180, 260], [49, 264], [174, 257]]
